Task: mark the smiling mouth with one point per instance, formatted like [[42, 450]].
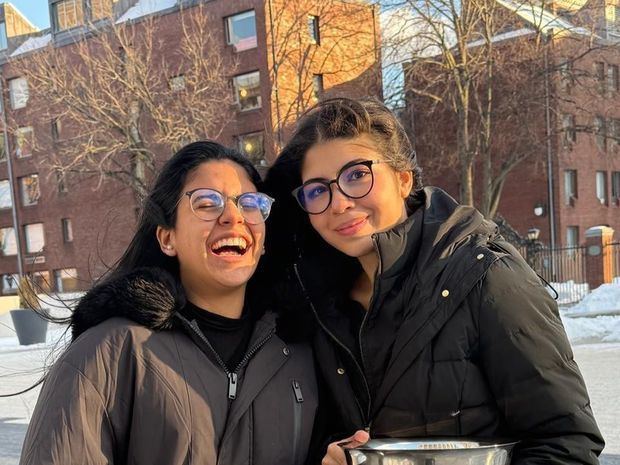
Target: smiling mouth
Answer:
[[232, 246]]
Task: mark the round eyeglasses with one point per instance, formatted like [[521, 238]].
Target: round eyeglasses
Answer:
[[355, 180], [209, 204]]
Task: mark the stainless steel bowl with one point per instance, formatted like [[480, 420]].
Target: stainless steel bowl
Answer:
[[430, 452]]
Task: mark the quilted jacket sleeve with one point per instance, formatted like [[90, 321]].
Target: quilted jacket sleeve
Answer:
[[69, 424], [529, 364]]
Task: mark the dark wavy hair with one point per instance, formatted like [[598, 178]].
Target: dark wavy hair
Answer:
[[289, 232]]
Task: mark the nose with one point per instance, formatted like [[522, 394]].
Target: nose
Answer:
[[340, 202], [231, 214]]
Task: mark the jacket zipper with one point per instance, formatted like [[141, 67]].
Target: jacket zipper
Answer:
[[375, 287], [232, 376], [297, 418], [365, 417]]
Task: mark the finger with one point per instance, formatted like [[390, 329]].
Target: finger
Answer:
[[334, 456]]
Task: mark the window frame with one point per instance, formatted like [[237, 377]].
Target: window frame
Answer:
[[314, 29], [570, 196], [19, 99], [228, 26], [601, 175], [237, 88], [28, 240]]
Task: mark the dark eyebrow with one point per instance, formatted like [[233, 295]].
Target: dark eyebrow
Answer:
[[343, 167]]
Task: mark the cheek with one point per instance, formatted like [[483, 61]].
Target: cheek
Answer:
[[318, 222]]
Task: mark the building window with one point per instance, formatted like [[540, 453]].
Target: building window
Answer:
[[67, 14], [67, 230], [570, 187], [613, 79], [30, 190], [615, 188], [317, 86], [41, 281], [100, 9], [570, 133], [601, 187], [8, 244], [18, 92], [2, 148], [5, 194], [247, 90], [61, 182], [241, 31], [56, 128], [3, 38], [252, 145], [24, 138], [66, 280], [572, 236], [10, 283], [313, 29], [600, 131], [35, 237], [599, 76], [566, 75], [177, 83]]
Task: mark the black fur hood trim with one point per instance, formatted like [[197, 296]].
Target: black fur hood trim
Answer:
[[151, 296], [148, 296]]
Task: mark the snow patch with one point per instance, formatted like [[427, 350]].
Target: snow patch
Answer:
[[603, 299], [145, 8], [592, 330], [33, 43]]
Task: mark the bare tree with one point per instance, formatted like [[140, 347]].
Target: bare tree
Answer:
[[478, 77], [316, 49], [124, 95]]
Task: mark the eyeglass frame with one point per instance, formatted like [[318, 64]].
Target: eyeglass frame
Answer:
[[328, 183], [226, 198]]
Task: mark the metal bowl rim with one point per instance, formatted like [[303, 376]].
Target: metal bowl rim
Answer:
[[379, 444]]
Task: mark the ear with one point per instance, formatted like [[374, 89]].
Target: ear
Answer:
[[166, 239], [405, 183]]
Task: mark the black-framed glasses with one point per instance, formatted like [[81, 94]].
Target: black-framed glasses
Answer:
[[355, 180], [209, 204]]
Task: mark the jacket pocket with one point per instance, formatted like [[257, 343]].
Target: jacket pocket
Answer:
[[298, 399]]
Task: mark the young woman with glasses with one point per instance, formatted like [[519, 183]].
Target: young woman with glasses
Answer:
[[427, 322], [205, 373]]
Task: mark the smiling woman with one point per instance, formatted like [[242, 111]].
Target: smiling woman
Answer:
[[428, 322], [204, 368]]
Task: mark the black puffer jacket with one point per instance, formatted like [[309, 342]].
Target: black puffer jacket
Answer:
[[461, 339]]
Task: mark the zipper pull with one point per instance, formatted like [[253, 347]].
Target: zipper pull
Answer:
[[232, 386], [297, 390]]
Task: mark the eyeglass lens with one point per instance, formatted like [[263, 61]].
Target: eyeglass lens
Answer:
[[208, 205], [354, 181]]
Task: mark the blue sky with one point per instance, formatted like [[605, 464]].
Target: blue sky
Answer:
[[35, 10]]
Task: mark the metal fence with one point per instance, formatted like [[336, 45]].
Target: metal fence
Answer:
[[563, 267]]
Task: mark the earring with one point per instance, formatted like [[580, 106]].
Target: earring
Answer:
[[263, 251]]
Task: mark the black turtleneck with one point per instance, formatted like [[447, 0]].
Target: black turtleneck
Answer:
[[228, 336]]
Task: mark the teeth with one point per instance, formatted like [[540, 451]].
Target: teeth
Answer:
[[230, 242]]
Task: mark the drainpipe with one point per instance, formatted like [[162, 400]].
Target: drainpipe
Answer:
[[550, 200], [9, 166]]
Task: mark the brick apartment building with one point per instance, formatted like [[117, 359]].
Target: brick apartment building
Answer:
[[286, 56], [584, 129]]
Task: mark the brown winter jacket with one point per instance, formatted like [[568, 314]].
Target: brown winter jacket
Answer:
[[125, 394]]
